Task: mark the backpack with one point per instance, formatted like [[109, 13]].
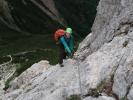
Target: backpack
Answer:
[[58, 34]]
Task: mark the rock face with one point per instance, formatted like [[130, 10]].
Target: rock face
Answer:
[[102, 68], [110, 44], [41, 80], [130, 95], [113, 18], [100, 98]]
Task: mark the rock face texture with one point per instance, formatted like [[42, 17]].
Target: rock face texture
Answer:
[[110, 43], [102, 68], [114, 17]]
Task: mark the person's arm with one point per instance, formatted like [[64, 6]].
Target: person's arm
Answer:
[[71, 43], [62, 40]]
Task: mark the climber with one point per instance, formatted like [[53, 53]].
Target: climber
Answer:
[[64, 40]]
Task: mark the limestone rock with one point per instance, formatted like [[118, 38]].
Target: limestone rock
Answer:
[[130, 95], [99, 98], [35, 70]]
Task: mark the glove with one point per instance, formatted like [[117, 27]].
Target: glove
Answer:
[[70, 55], [75, 54]]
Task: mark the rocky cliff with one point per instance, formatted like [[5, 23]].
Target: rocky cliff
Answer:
[[102, 68]]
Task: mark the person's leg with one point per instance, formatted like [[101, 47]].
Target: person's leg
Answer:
[[61, 54], [64, 55]]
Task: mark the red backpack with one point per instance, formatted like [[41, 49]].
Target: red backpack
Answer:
[[58, 34]]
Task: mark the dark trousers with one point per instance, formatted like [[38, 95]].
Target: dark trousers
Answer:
[[62, 53]]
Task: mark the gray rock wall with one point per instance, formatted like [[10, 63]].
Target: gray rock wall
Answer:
[[113, 18]]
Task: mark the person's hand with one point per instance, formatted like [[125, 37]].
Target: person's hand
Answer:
[[70, 55], [75, 54]]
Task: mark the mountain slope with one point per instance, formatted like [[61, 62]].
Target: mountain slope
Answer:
[[104, 59], [45, 16]]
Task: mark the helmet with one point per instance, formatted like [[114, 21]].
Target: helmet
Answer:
[[69, 30]]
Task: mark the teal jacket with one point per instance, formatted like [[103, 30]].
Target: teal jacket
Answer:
[[67, 43]]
